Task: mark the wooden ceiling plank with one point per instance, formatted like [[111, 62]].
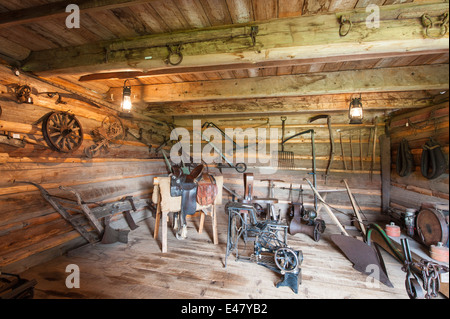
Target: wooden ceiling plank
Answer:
[[365, 3], [58, 9], [25, 37], [132, 21], [99, 29], [316, 6], [193, 13], [428, 77], [424, 59], [265, 9], [340, 5], [290, 8], [151, 18], [13, 50], [389, 2], [107, 19], [301, 69], [240, 10], [217, 12], [169, 12], [442, 59], [278, 40]]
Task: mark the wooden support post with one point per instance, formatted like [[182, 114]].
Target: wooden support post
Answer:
[[385, 150], [374, 148]]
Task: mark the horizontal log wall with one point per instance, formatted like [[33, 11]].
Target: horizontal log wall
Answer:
[[31, 230], [417, 127], [366, 190]]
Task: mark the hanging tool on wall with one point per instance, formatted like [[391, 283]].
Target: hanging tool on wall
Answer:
[[342, 148], [404, 164], [313, 145], [332, 146], [111, 129], [285, 158], [235, 145], [60, 95], [239, 167], [432, 162]]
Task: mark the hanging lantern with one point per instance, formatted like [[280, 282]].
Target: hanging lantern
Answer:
[[355, 112], [126, 98]]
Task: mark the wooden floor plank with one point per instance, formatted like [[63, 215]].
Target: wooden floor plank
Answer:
[[194, 269]]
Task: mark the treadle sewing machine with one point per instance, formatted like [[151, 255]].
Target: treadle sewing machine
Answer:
[[270, 243]]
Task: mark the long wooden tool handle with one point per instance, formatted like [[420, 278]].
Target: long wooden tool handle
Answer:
[[333, 217], [355, 208]]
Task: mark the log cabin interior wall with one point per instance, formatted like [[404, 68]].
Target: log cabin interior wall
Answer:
[[417, 127], [31, 231], [297, 66]]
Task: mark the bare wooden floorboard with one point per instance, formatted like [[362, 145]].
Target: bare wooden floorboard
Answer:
[[194, 269]]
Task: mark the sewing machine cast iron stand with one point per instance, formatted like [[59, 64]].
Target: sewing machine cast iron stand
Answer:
[[270, 243]]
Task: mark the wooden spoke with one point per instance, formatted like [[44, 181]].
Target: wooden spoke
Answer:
[[62, 132]]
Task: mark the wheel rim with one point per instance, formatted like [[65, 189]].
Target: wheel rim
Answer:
[[62, 132]]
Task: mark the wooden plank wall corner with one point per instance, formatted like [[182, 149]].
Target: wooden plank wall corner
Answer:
[[31, 231], [411, 191]]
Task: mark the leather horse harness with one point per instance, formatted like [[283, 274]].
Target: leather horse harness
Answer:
[[433, 163], [194, 188]]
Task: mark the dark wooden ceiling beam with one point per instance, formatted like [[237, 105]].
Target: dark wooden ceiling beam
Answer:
[[58, 9]]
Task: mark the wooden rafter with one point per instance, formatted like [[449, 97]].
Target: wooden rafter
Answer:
[[305, 37], [411, 78], [244, 66], [290, 105]]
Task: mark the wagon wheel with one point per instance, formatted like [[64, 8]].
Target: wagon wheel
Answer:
[[113, 127], [62, 132], [286, 259]]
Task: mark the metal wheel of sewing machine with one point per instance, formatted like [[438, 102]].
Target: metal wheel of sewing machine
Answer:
[[286, 259], [270, 248]]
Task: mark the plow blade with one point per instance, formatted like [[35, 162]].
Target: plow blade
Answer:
[[366, 259]]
